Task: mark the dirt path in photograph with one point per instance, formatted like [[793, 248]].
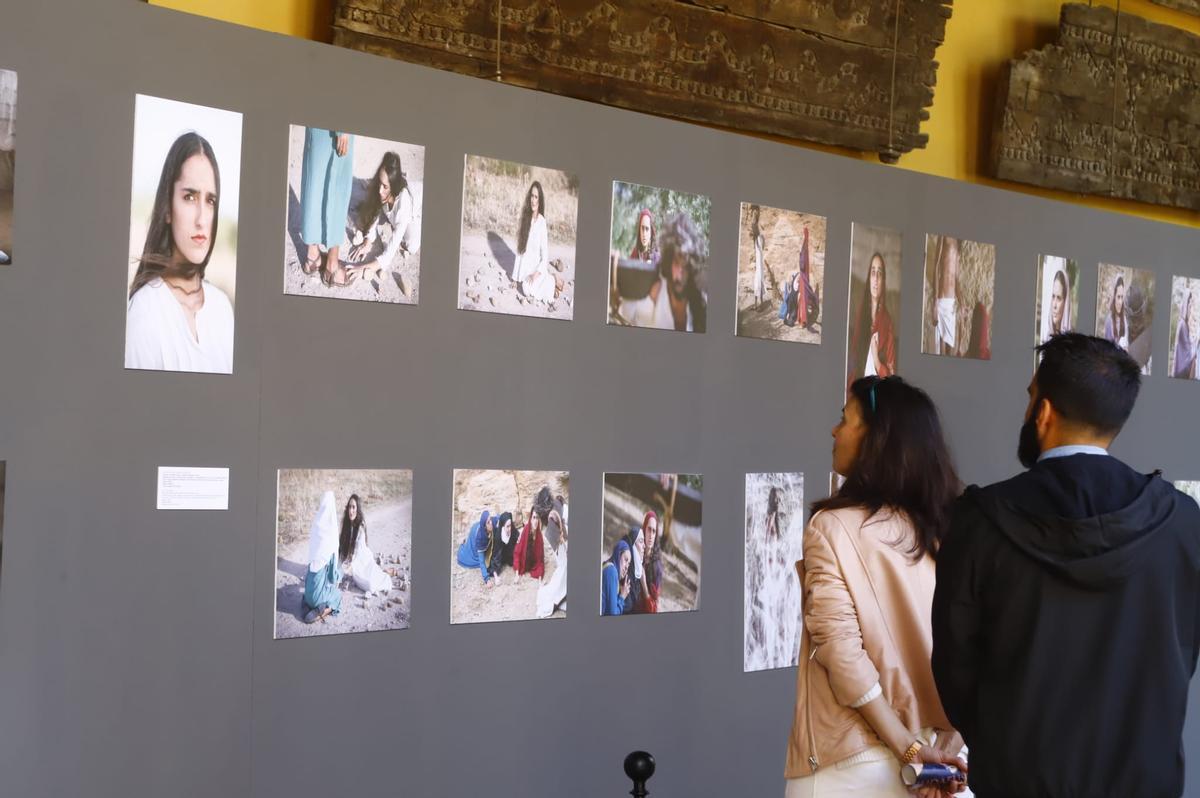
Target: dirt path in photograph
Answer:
[[513, 598], [485, 263], [390, 538]]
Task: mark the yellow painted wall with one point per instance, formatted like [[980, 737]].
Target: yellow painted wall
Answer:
[[980, 37]]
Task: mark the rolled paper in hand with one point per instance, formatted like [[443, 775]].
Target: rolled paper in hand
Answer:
[[918, 773]]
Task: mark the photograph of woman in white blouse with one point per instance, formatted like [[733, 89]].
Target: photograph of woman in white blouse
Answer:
[[178, 317], [517, 251]]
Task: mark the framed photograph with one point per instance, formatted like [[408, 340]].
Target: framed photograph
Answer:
[[960, 284], [353, 216], [873, 318], [658, 258], [780, 274], [8, 161], [1125, 310], [774, 542], [183, 225], [1185, 327]]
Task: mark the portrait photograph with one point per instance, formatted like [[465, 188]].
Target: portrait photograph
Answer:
[[8, 160], [658, 258], [960, 282], [343, 551], [651, 543], [1056, 305], [774, 541], [1189, 487], [508, 545], [353, 216], [183, 228], [517, 250], [1185, 326], [1125, 310], [780, 274], [873, 320]]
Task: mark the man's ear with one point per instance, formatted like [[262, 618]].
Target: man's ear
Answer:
[[1046, 413]]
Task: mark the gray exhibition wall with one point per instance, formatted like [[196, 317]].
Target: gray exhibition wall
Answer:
[[136, 650]]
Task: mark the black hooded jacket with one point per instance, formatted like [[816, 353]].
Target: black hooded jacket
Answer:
[[1066, 622]]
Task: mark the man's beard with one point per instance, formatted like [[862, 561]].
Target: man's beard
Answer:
[[1028, 448], [678, 289]]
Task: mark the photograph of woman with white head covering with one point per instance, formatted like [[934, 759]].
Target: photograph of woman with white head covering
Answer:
[[343, 551], [960, 287], [183, 237], [1057, 302], [1125, 310], [1185, 320]]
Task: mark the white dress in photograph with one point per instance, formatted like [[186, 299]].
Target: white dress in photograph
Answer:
[[532, 268], [368, 576], [157, 336]]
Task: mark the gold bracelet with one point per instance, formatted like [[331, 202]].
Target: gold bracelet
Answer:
[[911, 753]]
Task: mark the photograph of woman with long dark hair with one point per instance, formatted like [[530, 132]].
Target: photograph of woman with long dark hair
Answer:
[[1125, 311], [387, 230], [874, 307], [178, 317], [866, 701], [342, 578], [517, 250], [526, 535], [780, 274], [1185, 316], [532, 270], [354, 216]]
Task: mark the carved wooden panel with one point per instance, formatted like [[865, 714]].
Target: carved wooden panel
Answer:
[[1187, 6], [820, 70], [1112, 109]]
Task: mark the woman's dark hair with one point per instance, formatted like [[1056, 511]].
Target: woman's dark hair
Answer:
[[159, 248], [1090, 381], [1118, 319], [638, 251], [527, 215], [863, 320], [903, 464], [368, 209], [349, 537]]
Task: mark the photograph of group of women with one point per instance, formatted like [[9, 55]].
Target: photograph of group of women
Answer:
[[960, 282], [183, 226], [8, 160], [658, 258], [773, 543], [343, 551], [353, 216], [508, 545], [1185, 326], [780, 274], [1125, 310], [651, 543], [872, 340], [517, 250], [1057, 303]]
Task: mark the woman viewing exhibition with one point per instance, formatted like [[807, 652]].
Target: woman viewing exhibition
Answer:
[[866, 702], [177, 320]]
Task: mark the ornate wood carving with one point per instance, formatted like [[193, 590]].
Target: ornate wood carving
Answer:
[[1187, 6], [1112, 109], [820, 70]]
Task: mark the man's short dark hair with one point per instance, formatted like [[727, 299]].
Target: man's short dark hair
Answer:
[[1089, 381]]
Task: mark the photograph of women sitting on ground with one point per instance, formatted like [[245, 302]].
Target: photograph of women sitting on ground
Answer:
[[183, 228], [1190, 487], [872, 343], [960, 283], [353, 216], [1185, 326], [508, 545], [658, 258], [780, 274], [1057, 303], [517, 253], [8, 158], [774, 542], [1125, 310], [343, 551], [650, 550]]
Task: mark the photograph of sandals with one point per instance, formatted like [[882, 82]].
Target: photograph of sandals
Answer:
[[343, 551], [353, 216]]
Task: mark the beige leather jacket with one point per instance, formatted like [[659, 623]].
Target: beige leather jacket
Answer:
[[866, 611]]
